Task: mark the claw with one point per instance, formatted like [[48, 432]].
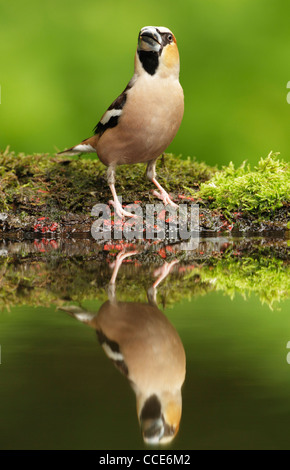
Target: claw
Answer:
[[165, 198], [120, 211], [163, 272]]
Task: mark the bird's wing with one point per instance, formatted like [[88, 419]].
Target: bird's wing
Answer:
[[108, 120], [112, 115], [112, 350]]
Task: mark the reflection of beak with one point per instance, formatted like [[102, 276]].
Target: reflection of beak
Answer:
[[156, 431], [149, 40], [152, 430]]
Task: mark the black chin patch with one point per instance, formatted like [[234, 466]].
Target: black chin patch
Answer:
[[149, 60], [151, 408]]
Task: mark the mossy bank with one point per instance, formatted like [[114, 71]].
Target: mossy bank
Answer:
[[54, 196]]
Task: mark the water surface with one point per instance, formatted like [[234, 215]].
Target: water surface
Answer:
[[60, 390]]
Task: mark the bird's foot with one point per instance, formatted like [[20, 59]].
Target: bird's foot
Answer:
[[165, 269], [120, 211], [117, 264], [165, 198], [163, 272]]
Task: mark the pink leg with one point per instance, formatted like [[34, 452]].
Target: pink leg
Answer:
[[117, 205], [119, 260], [162, 194], [163, 272]]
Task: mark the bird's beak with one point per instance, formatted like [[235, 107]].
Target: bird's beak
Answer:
[[152, 430], [149, 40]]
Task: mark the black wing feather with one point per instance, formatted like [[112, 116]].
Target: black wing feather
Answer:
[[117, 104]]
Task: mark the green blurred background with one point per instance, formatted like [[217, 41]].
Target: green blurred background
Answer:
[[63, 62]]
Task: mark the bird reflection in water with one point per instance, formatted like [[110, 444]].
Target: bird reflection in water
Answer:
[[146, 348]]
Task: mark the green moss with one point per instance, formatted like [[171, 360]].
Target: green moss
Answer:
[[34, 278], [63, 190], [268, 278], [262, 189], [60, 185]]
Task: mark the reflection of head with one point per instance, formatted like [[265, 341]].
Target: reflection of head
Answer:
[[160, 417]]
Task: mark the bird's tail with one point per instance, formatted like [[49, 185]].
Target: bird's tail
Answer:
[[86, 146], [79, 313]]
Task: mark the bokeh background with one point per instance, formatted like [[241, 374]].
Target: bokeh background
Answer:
[[64, 61]]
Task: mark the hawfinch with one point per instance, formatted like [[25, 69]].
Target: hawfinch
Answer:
[[146, 348], [140, 124]]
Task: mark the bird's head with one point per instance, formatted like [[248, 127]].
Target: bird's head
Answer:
[[160, 417], [157, 52]]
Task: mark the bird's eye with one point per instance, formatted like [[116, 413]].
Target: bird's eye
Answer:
[[170, 37]]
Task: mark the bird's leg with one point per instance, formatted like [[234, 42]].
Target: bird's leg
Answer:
[[119, 260], [112, 284], [162, 194], [116, 203], [163, 273]]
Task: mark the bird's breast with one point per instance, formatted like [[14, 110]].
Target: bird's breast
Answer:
[[150, 346], [149, 122]]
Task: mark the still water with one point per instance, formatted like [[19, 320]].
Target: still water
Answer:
[[114, 349]]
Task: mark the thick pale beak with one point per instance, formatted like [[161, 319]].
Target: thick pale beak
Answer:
[[152, 430], [149, 40]]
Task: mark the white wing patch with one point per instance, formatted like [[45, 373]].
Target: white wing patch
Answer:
[[114, 355], [109, 114]]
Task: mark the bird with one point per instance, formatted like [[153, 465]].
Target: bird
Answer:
[[145, 347], [143, 120]]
